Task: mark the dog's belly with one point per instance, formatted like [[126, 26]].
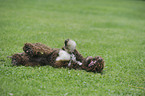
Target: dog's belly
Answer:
[[65, 59], [63, 56]]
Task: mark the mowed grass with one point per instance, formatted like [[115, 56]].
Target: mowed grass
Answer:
[[113, 29]]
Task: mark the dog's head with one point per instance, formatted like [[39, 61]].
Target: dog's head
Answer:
[[94, 64]]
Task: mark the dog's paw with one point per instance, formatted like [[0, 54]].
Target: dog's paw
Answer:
[[70, 45]]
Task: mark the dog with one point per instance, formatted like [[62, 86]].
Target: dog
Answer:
[[38, 54]]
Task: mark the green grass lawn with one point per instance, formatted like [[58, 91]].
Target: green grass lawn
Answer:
[[113, 29]]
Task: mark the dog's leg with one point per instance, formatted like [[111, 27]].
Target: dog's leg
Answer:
[[78, 56], [70, 47], [74, 59]]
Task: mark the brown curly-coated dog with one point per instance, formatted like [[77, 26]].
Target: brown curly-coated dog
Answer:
[[38, 54]]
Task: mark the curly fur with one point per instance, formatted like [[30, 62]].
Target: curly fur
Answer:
[[38, 54]]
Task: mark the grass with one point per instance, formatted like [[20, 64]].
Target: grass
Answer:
[[113, 29]]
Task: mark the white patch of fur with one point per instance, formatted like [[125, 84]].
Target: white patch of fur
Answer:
[[71, 45], [80, 63], [73, 58], [63, 56]]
